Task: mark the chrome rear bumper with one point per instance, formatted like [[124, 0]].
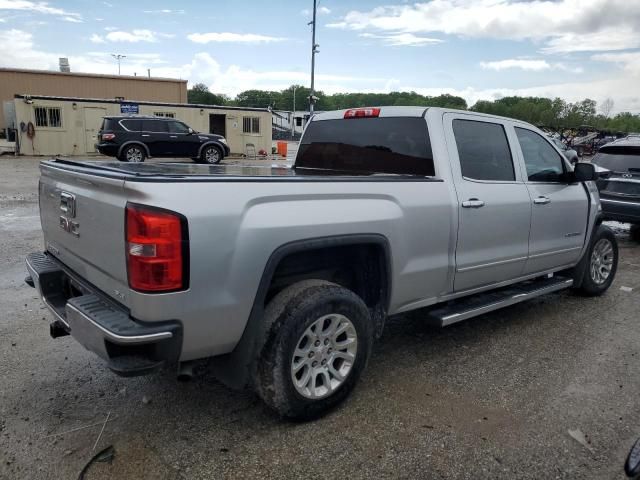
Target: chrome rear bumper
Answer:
[[130, 347]]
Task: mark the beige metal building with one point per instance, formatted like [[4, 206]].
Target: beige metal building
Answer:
[[86, 85], [68, 125]]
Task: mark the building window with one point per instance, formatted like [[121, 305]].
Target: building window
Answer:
[[251, 125], [48, 117], [298, 121], [164, 114]]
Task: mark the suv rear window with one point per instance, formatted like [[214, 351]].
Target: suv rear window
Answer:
[[110, 124], [619, 159], [396, 145]]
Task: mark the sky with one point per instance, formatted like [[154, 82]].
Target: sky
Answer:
[[478, 49]]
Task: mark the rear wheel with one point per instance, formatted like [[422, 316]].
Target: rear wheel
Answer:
[[133, 154], [317, 344], [211, 155], [602, 263]]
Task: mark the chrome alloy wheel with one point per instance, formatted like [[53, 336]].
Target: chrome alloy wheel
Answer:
[[601, 261], [212, 155], [324, 356], [134, 155]]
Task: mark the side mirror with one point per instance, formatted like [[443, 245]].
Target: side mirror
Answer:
[[584, 172], [191, 131]]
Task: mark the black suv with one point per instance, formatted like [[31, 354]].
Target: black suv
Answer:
[[619, 183], [134, 138]]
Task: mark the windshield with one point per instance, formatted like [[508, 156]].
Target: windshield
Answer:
[[621, 162], [397, 145]]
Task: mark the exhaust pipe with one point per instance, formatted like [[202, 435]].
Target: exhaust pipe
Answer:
[[185, 371]]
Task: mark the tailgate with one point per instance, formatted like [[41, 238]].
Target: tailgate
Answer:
[[82, 218]]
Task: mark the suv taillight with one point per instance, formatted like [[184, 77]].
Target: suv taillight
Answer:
[[157, 249], [108, 136]]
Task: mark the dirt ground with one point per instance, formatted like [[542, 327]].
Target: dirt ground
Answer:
[[493, 397]]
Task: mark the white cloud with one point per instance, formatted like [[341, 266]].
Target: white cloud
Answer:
[[95, 38], [403, 39], [564, 25], [39, 7], [515, 63], [229, 37], [166, 11], [531, 65], [135, 36], [630, 61]]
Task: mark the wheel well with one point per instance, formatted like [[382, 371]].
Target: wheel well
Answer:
[[362, 268]]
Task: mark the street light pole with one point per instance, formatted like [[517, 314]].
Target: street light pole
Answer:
[[314, 50], [118, 57]]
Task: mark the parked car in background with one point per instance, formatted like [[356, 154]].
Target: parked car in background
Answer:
[[618, 163], [569, 153], [134, 138]]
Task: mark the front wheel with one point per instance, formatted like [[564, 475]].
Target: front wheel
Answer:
[[211, 155], [318, 342], [602, 263]]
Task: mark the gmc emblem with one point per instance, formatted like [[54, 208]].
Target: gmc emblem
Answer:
[[68, 209]]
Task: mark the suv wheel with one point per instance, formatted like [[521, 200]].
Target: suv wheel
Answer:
[[602, 263], [318, 342], [133, 154], [211, 155]]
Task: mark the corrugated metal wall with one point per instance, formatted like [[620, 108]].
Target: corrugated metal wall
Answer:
[[141, 88]]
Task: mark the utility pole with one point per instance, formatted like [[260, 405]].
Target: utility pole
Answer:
[[118, 57], [314, 50], [293, 114]]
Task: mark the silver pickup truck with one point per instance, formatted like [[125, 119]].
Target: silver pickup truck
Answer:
[[285, 275]]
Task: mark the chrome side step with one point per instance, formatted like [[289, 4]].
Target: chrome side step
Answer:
[[481, 303]]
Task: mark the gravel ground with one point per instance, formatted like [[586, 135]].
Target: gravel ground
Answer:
[[494, 397]]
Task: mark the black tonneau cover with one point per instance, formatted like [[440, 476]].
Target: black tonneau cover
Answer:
[[176, 172]]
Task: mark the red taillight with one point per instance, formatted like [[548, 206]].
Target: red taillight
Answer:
[[157, 253], [108, 136], [362, 112]]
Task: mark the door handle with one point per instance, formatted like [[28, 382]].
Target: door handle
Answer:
[[145, 135], [473, 203], [541, 200], [173, 136]]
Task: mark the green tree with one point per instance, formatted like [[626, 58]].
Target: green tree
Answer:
[[200, 94]]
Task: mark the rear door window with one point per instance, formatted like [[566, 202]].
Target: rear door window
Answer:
[[158, 126], [483, 150], [395, 145], [133, 125], [543, 162]]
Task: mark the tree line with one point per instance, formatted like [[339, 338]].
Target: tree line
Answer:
[[556, 113]]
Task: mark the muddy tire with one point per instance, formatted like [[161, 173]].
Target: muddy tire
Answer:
[[318, 339], [601, 263]]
